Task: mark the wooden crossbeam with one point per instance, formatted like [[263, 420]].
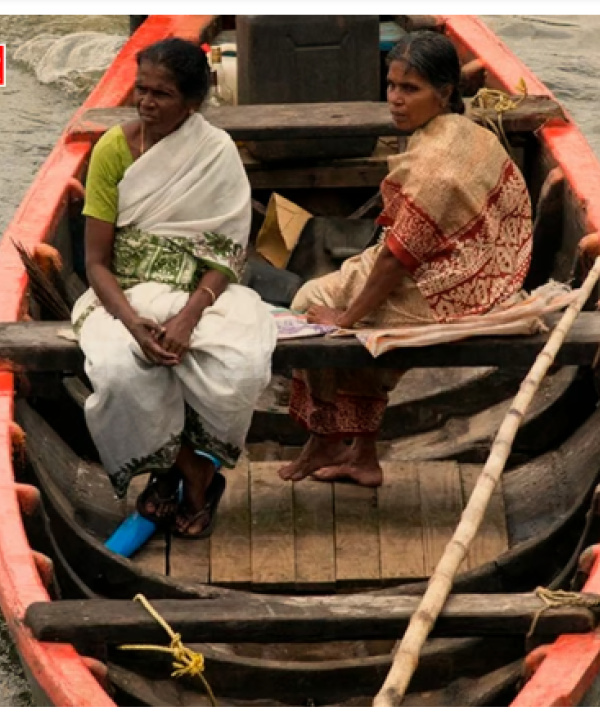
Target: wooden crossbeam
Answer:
[[38, 347], [315, 120], [255, 618]]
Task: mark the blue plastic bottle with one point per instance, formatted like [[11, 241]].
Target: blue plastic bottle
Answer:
[[131, 535], [136, 529]]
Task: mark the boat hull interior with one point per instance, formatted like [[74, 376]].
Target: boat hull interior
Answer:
[[314, 540]]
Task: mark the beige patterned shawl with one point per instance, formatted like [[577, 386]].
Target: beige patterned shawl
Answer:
[[459, 217]]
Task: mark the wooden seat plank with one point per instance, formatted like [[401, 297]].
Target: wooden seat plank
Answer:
[[255, 618], [315, 120], [367, 172], [400, 528], [492, 538], [39, 346], [230, 562], [356, 535], [335, 173], [272, 528], [441, 507]]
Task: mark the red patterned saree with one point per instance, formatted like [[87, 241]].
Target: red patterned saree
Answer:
[[457, 215]]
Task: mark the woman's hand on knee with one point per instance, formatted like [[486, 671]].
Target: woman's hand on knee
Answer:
[[176, 335], [147, 334]]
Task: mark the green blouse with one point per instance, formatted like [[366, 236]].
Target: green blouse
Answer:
[[140, 256], [110, 159]]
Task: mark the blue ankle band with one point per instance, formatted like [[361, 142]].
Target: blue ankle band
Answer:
[[212, 458]]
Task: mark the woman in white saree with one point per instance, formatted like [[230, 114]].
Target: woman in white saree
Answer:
[[177, 352]]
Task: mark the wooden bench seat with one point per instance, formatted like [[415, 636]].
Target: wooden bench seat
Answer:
[[37, 346], [315, 120], [263, 619]]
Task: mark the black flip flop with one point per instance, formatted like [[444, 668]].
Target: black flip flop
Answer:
[[214, 493], [150, 490]]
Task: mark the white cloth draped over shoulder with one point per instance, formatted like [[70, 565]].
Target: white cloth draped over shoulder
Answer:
[[184, 208], [193, 185]]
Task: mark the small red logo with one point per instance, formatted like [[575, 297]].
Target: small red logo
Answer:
[[2, 65]]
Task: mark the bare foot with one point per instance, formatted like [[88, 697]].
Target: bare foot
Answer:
[[361, 464], [159, 500], [367, 474], [316, 454]]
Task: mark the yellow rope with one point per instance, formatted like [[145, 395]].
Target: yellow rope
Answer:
[[185, 661], [562, 598], [500, 102]]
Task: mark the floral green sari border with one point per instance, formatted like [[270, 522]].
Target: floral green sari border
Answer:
[[140, 256], [181, 266], [222, 253], [200, 439], [165, 457], [78, 324]]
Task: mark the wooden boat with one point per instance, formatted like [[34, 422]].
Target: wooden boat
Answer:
[[303, 590]]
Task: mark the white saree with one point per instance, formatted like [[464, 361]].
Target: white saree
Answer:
[[184, 207]]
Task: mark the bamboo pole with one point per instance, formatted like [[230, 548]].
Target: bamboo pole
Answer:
[[406, 658]]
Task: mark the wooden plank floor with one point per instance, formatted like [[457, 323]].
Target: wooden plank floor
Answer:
[[321, 537]]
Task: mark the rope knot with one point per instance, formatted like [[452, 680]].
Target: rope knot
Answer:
[[562, 598], [500, 102], [185, 660]]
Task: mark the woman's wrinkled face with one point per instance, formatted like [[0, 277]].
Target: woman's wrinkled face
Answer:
[[413, 101], [158, 100]]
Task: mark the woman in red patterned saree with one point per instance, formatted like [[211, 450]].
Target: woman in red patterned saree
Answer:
[[455, 241]]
